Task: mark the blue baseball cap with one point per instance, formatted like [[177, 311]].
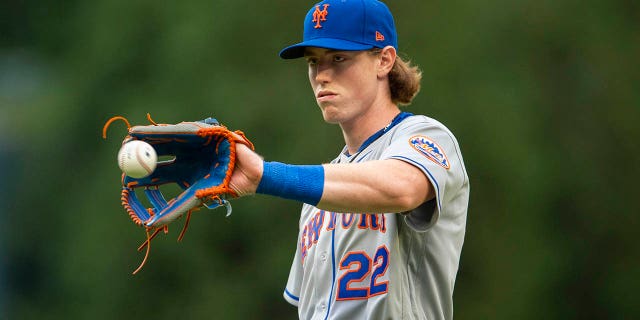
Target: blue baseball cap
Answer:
[[350, 25]]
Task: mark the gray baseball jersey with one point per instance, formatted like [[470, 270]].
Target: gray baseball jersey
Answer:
[[387, 265]]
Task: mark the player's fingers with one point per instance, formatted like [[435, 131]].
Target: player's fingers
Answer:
[[241, 138]]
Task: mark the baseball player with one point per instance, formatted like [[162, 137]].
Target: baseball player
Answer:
[[382, 226]]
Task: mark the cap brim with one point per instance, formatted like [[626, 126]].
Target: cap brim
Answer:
[[297, 50]]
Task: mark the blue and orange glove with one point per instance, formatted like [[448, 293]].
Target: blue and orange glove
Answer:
[[198, 156]]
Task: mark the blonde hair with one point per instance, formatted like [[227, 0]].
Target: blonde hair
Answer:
[[404, 81]]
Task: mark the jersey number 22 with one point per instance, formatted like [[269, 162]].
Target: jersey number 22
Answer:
[[351, 286]]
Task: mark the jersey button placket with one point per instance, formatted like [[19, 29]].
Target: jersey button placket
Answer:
[[323, 256]]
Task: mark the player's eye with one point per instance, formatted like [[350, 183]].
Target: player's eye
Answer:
[[311, 60], [338, 58]]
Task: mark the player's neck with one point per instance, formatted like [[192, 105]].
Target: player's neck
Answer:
[[360, 129]]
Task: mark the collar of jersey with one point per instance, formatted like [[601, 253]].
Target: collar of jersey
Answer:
[[401, 116]]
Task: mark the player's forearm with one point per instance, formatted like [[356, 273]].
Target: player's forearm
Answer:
[[375, 186]]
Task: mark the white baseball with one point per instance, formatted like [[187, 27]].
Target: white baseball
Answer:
[[137, 159]]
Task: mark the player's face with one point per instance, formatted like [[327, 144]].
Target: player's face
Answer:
[[345, 83]]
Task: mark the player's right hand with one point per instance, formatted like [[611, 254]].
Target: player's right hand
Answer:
[[247, 172]]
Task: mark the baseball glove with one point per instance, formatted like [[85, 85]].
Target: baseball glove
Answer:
[[197, 156]]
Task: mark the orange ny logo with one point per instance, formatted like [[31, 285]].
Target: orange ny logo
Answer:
[[319, 15]]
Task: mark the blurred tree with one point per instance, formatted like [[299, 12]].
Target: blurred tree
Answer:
[[542, 96]]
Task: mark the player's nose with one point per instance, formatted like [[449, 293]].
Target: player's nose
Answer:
[[323, 73]]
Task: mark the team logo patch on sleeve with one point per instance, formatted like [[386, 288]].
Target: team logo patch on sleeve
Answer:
[[430, 149]]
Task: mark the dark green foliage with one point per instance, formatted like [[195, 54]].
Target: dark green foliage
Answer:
[[543, 97]]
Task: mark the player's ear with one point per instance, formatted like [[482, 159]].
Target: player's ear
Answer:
[[387, 58]]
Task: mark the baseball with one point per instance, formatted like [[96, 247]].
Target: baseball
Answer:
[[137, 159]]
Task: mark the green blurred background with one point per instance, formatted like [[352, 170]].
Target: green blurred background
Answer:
[[543, 96]]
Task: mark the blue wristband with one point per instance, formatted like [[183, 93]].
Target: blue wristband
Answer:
[[303, 183]]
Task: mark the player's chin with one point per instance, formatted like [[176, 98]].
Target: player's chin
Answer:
[[330, 114]]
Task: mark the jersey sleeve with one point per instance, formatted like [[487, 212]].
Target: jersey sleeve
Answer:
[[431, 147]]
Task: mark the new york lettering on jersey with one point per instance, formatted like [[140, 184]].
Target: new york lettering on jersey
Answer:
[[316, 225]]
